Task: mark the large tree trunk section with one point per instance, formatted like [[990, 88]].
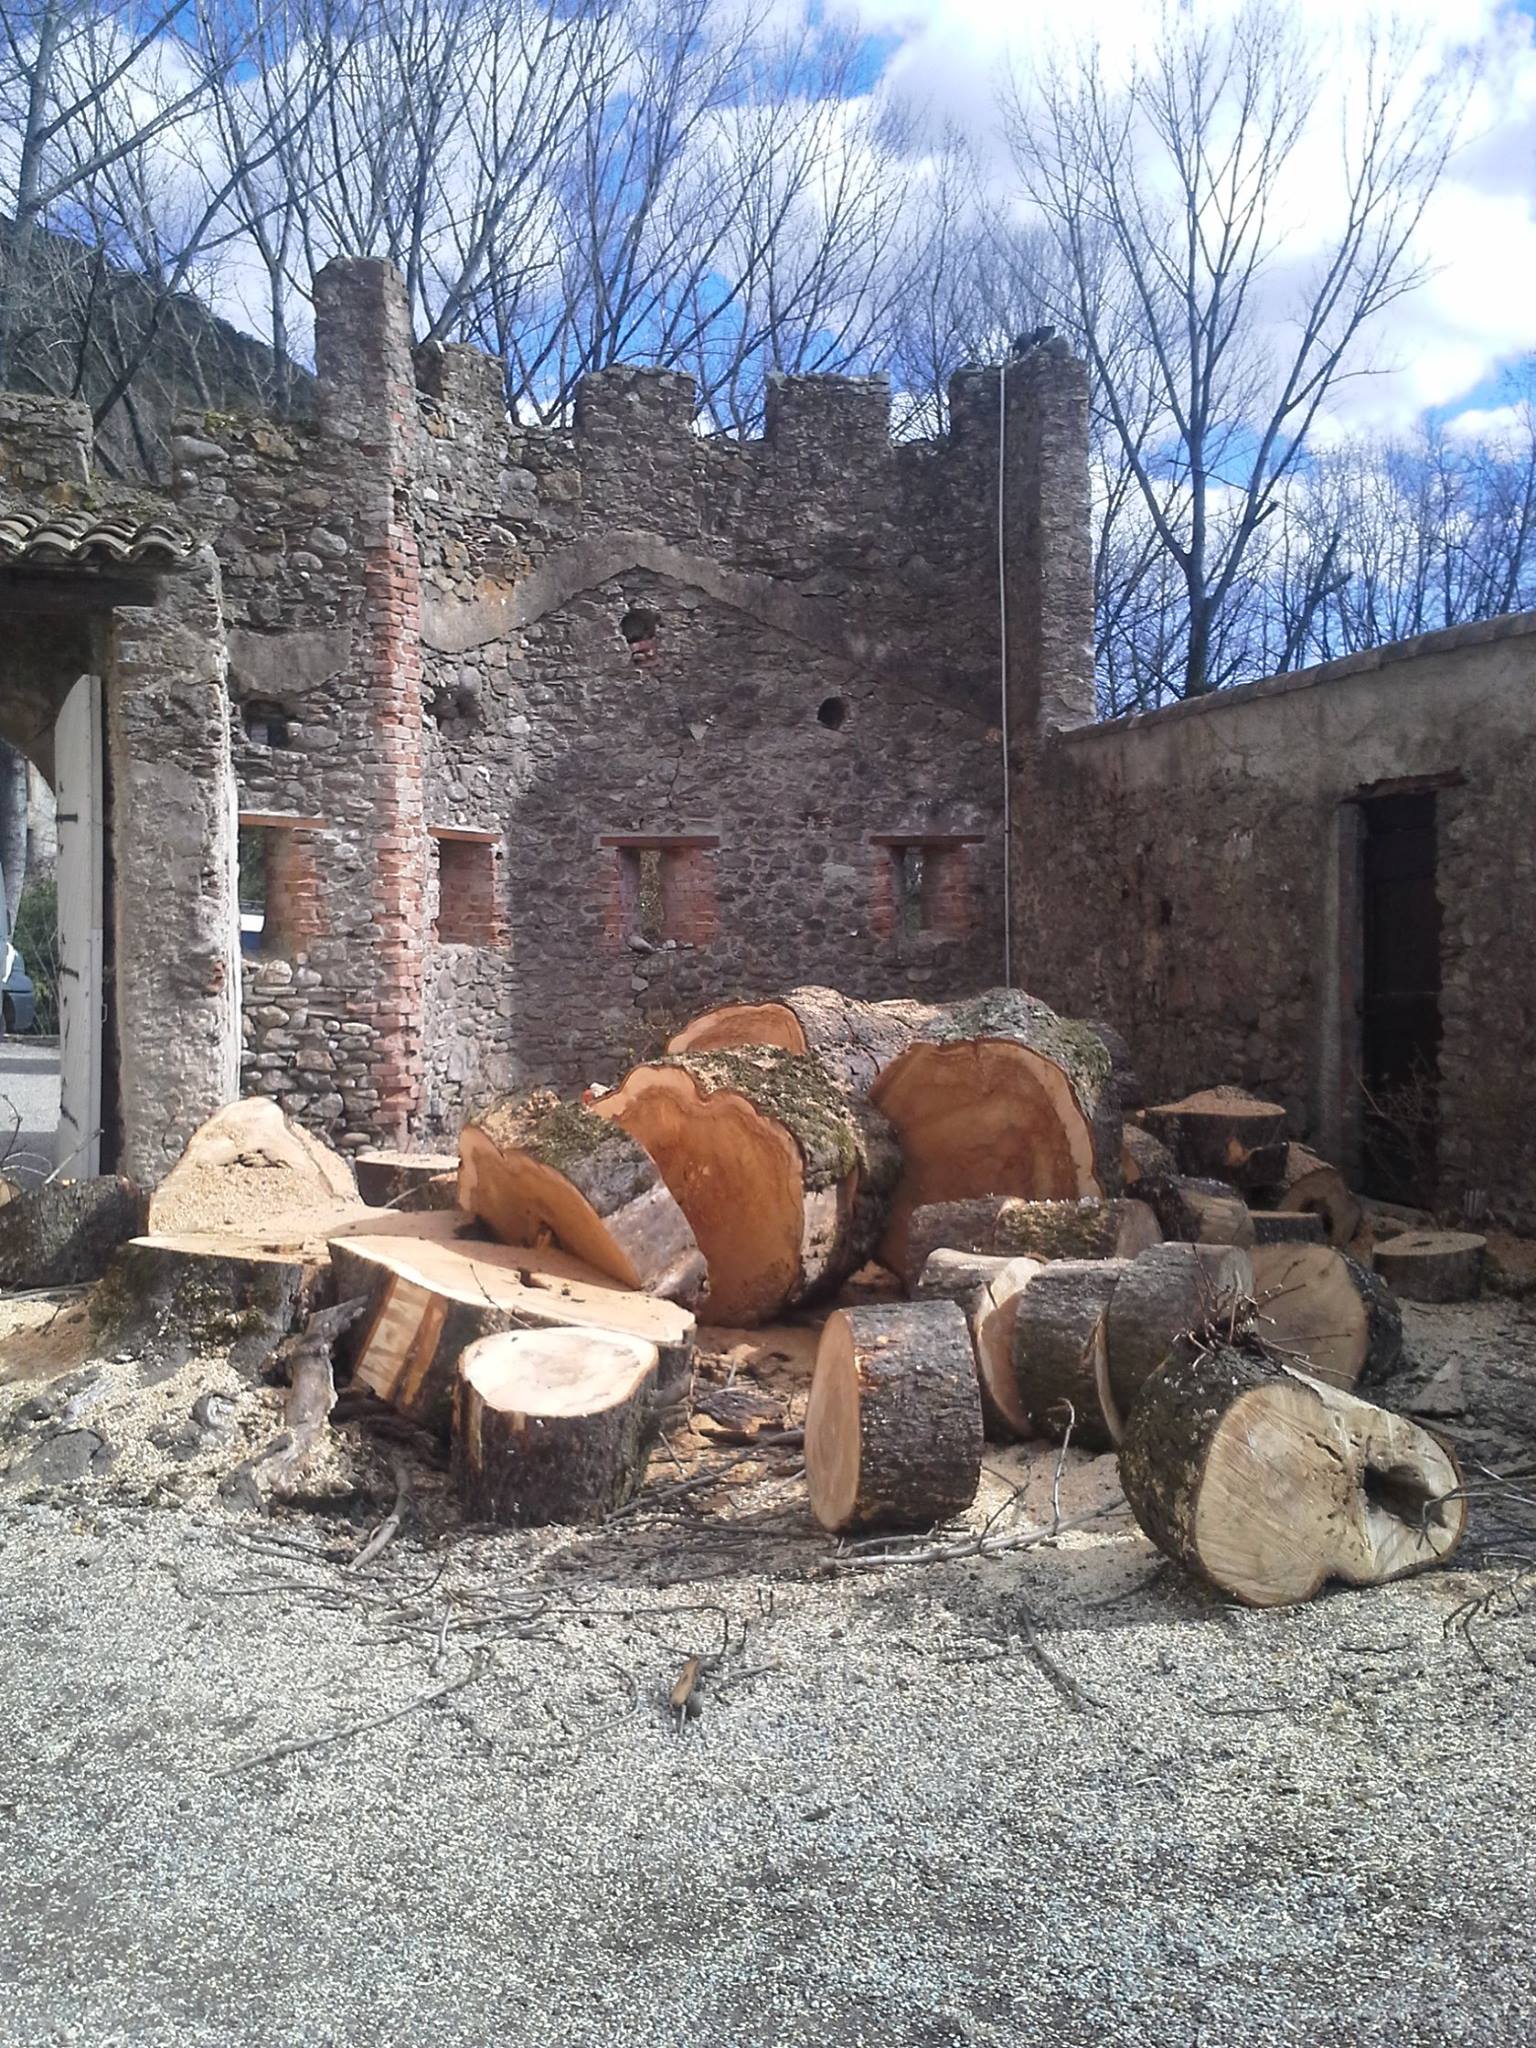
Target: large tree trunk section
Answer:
[[388, 1180], [1143, 1157], [247, 1169], [430, 1300], [853, 1040], [537, 1169], [988, 1290], [1223, 1134], [1199, 1211], [1433, 1265], [1288, 1226], [1267, 1483], [1061, 1355], [552, 1425], [999, 1096], [164, 1299], [1325, 1314], [893, 1434], [1002, 1226], [68, 1231], [784, 1180], [1167, 1293], [1311, 1185]]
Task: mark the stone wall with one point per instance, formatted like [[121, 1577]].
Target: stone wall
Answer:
[[1192, 875]]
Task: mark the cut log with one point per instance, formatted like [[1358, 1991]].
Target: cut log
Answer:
[[246, 1167], [1311, 1185], [1002, 1226], [854, 1041], [164, 1299], [535, 1169], [1131, 1095], [999, 1096], [1169, 1292], [430, 1299], [893, 1434], [1288, 1226], [552, 1425], [783, 1178], [1199, 1211], [1143, 1157], [1267, 1483], [1060, 1352], [1223, 1134], [387, 1180], [1325, 1314], [68, 1231], [1433, 1265], [988, 1290]]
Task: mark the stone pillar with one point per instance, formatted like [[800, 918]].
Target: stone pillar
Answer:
[[368, 400], [45, 444], [1049, 552], [175, 895]]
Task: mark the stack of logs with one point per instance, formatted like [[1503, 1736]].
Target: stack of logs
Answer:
[[1172, 1287]]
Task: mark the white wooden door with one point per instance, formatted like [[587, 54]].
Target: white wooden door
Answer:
[[82, 998]]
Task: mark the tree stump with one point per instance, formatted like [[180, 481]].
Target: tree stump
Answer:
[[535, 1169], [783, 1178], [893, 1433], [68, 1231], [988, 1290], [1002, 1226], [1060, 1351], [1326, 1314], [552, 1425], [1267, 1483], [167, 1298], [1433, 1265], [1311, 1185], [1223, 1134], [1168, 1292]]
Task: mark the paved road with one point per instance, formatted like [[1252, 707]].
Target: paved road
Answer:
[[29, 1108]]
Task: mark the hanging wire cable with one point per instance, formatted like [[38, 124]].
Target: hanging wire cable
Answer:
[[1002, 635]]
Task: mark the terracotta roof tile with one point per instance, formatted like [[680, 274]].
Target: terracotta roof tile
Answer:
[[65, 535]]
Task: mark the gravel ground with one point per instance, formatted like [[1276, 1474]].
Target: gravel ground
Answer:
[[1057, 1792], [29, 1108]]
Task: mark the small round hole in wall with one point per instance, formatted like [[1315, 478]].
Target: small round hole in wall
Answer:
[[831, 712]]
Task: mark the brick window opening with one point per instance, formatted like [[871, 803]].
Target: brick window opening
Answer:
[[279, 886], [924, 887], [640, 629], [466, 889], [266, 724], [665, 889]]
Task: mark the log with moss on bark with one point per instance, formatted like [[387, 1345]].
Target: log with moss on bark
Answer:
[[988, 1290], [855, 1041], [1169, 1293], [999, 1096], [537, 1170], [1267, 1483], [785, 1180], [1198, 1211], [1143, 1157], [1003, 1226], [1060, 1350]]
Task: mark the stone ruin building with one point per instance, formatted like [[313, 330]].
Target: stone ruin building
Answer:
[[520, 745]]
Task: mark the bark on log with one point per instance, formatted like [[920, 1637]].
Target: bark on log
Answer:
[[1325, 1314], [1288, 1226], [429, 1300], [67, 1232], [1223, 1134], [1199, 1211], [1433, 1265], [387, 1180], [893, 1433], [1168, 1292], [1311, 1185], [167, 1298], [784, 1179], [552, 1425], [1143, 1157], [1002, 1226], [999, 1096], [1132, 1096], [1060, 1351], [535, 1169], [1267, 1483], [988, 1290], [854, 1041]]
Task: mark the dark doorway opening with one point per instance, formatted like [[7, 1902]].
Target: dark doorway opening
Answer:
[[1399, 997]]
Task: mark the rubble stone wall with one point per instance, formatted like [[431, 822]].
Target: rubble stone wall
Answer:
[[1191, 875]]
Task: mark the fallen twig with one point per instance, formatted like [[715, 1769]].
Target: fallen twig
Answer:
[[478, 1665]]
